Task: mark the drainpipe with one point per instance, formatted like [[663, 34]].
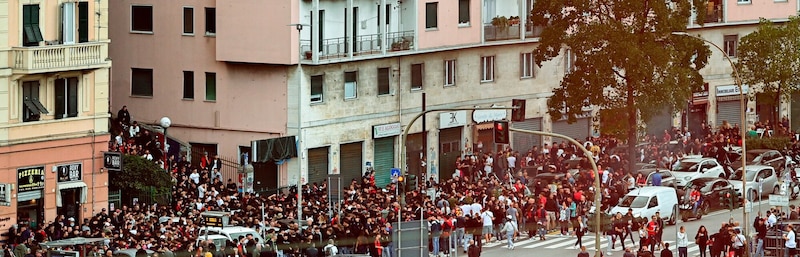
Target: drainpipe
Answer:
[[94, 134]]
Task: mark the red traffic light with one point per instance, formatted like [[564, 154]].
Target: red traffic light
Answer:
[[501, 132]]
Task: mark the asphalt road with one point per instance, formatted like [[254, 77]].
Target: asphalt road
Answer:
[[556, 245]]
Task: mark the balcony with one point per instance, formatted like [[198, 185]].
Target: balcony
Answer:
[[55, 58], [511, 32], [333, 48], [714, 12]]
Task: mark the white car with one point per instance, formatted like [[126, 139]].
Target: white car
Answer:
[[690, 168], [756, 174]]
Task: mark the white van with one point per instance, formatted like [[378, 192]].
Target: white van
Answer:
[[646, 201], [232, 233], [218, 240]]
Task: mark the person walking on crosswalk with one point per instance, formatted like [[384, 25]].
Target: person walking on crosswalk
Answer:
[[509, 229]]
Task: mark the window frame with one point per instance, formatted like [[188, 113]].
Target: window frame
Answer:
[[71, 96], [321, 79], [31, 26], [432, 18], [68, 23], [384, 83], [133, 92], [417, 81], [487, 68], [31, 107], [188, 85], [449, 71], [210, 24], [464, 9], [527, 69], [183, 14], [731, 45], [211, 83], [133, 16], [352, 83]]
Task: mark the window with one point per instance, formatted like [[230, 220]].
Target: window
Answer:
[[141, 82], [487, 68], [32, 108], [316, 88], [69, 22], [188, 84], [748, 1], [31, 34], [526, 65], [449, 72], [141, 18], [350, 85], [66, 97], [416, 76], [463, 11], [188, 20], [211, 21], [569, 61], [384, 81], [431, 16], [211, 86], [730, 42]]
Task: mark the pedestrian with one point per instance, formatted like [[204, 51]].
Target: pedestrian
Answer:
[[701, 239], [738, 242], [761, 228], [790, 244], [583, 252], [628, 253], [666, 252], [509, 229], [682, 242], [473, 250]]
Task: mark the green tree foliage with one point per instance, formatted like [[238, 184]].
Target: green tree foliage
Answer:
[[770, 58], [626, 58], [139, 175]]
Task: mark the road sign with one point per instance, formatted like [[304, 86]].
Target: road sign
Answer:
[[395, 172], [779, 200], [112, 161], [748, 207]]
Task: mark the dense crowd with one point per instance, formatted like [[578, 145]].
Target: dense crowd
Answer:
[[489, 197]]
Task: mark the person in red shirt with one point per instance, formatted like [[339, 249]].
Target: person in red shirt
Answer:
[[652, 229], [696, 201]]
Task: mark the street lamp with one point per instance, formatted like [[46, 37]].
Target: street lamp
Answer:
[[299, 28], [743, 129], [165, 122]]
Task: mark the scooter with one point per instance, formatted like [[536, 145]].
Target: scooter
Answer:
[[790, 175], [687, 210]]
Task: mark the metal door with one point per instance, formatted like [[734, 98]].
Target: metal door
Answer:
[[350, 159], [578, 130], [449, 150], [317, 164], [729, 111], [384, 160], [525, 142]]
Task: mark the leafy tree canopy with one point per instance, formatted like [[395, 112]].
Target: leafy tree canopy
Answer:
[[139, 175], [770, 58], [626, 57]]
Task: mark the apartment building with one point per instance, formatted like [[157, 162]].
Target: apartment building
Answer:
[[54, 92], [349, 76]]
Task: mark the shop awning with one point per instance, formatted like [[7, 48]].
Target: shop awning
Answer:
[[485, 126], [274, 149], [30, 195], [71, 185]]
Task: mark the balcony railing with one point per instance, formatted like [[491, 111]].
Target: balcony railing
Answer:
[[493, 33], [59, 57], [332, 48], [714, 13]]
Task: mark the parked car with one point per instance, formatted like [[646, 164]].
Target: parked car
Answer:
[[757, 174], [767, 157], [232, 233], [646, 201], [688, 169], [131, 252], [710, 189], [667, 178]]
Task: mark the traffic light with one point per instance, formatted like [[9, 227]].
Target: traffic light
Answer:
[[731, 200], [501, 132], [519, 113], [411, 182]]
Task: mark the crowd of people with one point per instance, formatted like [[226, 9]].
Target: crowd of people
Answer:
[[488, 198]]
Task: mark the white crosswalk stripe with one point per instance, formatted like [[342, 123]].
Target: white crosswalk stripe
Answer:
[[557, 242]]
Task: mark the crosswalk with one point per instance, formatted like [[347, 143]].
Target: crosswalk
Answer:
[[567, 243]]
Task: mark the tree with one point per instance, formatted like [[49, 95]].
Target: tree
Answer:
[[140, 176], [625, 58], [770, 57]]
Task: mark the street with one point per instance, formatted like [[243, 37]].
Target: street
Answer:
[[556, 245]]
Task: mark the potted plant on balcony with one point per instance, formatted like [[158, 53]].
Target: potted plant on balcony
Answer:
[[308, 55], [401, 44], [513, 20], [500, 24]]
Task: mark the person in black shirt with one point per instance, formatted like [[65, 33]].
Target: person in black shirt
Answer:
[[761, 228], [620, 224], [666, 252]]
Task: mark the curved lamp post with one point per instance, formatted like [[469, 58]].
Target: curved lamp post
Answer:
[[165, 122]]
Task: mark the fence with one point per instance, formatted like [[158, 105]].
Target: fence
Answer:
[[230, 165], [149, 197]]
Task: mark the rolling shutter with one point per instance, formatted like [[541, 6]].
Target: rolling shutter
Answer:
[[414, 150], [317, 164], [524, 142], [578, 130], [728, 111], [449, 150], [384, 160], [350, 157]]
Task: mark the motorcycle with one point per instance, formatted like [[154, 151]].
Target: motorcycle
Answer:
[[687, 210], [790, 175]]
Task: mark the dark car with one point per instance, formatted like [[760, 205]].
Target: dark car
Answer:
[[711, 189], [766, 157], [667, 179], [549, 177]]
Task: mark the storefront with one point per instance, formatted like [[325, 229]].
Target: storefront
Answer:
[[383, 151], [30, 195], [698, 113], [71, 192], [578, 130], [728, 105], [415, 153], [451, 125], [318, 164], [350, 161], [524, 142], [483, 131]]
